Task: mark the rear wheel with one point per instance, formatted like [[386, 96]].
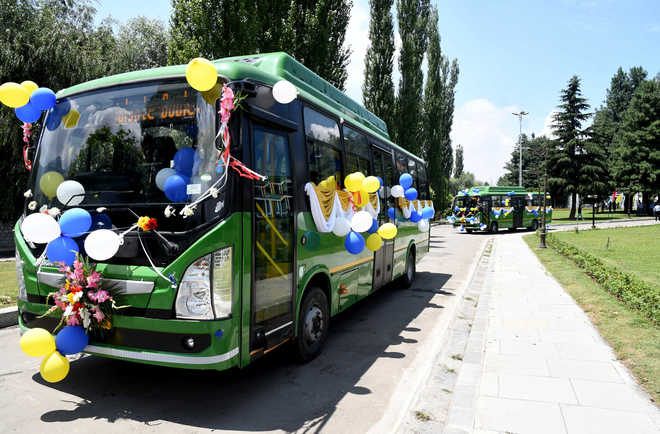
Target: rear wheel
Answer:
[[312, 324], [535, 225], [411, 270], [494, 227]]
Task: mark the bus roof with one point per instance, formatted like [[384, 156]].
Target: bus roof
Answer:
[[267, 68], [484, 190]]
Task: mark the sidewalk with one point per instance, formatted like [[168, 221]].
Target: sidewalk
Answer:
[[543, 367]]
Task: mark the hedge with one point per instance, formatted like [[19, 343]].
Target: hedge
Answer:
[[633, 292]]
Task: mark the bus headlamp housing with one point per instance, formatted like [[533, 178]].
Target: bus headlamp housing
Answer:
[[205, 291]]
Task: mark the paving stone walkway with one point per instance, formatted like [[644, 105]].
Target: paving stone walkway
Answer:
[[534, 363]]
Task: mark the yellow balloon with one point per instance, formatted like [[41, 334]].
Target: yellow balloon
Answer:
[[54, 367], [360, 198], [49, 182], [30, 86], [13, 95], [211, 95], [70, 120], [374, 242], [353, 182], [387, 231], [371, 184], [201, 74], [37, 342]]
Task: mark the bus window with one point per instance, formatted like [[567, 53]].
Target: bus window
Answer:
[[357, 151], [412, 169], [323, 146], [401, 164], [422, 182]]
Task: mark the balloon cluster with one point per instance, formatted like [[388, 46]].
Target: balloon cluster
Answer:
[[27, 99], [405, 189], [39, 342], [360, 187], [174, 181]]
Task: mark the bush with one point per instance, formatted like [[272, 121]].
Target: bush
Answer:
[[632, 291]]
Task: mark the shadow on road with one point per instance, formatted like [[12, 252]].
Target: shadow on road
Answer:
[[274, 393]]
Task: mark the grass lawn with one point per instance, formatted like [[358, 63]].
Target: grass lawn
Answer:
[[560, 215], [634, 339], [8, 284], [635, 250]]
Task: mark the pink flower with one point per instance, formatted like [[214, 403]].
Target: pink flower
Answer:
[[79, 275], [226, 104], [73, 320], [62, 266], [98, 315], [99, 296], [93, 280]]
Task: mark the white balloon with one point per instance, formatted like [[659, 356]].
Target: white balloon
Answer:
[[362, 221], [423, 225], [284, 92], [40, 228], [397, 191], [102, 244], [70, 193], [342, 227], [162, 176]]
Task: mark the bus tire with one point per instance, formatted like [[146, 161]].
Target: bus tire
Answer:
[[535, 225], [469, 231], [493, 228], [411, 270], [313, 324]]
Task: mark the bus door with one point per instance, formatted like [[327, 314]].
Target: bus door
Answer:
[[518, 208], [383, 167], [272, 240]]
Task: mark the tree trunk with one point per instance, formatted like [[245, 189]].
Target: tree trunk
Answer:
[[571, 216]]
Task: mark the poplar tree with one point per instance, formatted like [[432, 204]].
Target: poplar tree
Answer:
[[378, 88], [438, 114], [458, 162], [413, 17]]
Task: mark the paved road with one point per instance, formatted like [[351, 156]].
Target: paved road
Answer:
[[376, 355]]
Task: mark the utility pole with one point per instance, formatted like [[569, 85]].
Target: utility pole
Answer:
[[542, 244], [520, 116]]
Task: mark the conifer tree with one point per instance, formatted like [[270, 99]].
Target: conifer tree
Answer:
[[458, 162], [413, 16], [378, 89]]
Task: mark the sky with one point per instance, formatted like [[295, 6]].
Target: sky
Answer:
[[513, 55]]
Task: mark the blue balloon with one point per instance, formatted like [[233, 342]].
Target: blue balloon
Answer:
[[63, 107], [43, 98], [427, 212], [380, 180], [101, 221], [391, 213], [71, 340], [511, 193], [456, 209], [374, 227], [75, 222], [354, 242], [53, 120], [176, 186], [405, 180], [28, 113], [184, 161], [62, 249], [411, 194], [415, 216]]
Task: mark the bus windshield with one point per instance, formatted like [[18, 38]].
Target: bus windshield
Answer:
[[115, 141], [466, 202]]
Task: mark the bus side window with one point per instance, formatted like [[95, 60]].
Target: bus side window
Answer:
[[323, 146], [401, 165], [422, 182], [412, 169], [528, 202], [357, 152]]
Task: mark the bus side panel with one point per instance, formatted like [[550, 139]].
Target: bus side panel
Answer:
[[407, 232]]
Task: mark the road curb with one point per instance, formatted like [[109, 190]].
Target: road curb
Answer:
[[8, 316]]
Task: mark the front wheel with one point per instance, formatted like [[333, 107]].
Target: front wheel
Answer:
[[494, 228], [313, 324], [535, 225], [411, 270]]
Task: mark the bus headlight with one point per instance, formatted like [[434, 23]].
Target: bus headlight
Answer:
[[22, 292], [205, 291]]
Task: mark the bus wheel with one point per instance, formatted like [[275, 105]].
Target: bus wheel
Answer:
[[411, 270], [312, 324], [535, 225], [493, 228], [469, 231]]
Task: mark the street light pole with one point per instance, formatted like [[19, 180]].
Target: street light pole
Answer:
[[520, 116], [542, 244]]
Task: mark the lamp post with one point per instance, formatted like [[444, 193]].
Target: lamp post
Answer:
[[520, 116]]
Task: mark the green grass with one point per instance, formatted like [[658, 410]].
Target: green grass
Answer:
[[560, 215], [635, 340], [8, 284], [634, 250]]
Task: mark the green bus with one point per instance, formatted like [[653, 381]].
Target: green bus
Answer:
[[248, 271], [490, 208]]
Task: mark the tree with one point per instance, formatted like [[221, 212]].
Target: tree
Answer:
[[566, 175], [637, 143], [458, 161], [438, 114], [141, 44], [413, 16], [311, 31], [378, 89], [465, 180]]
